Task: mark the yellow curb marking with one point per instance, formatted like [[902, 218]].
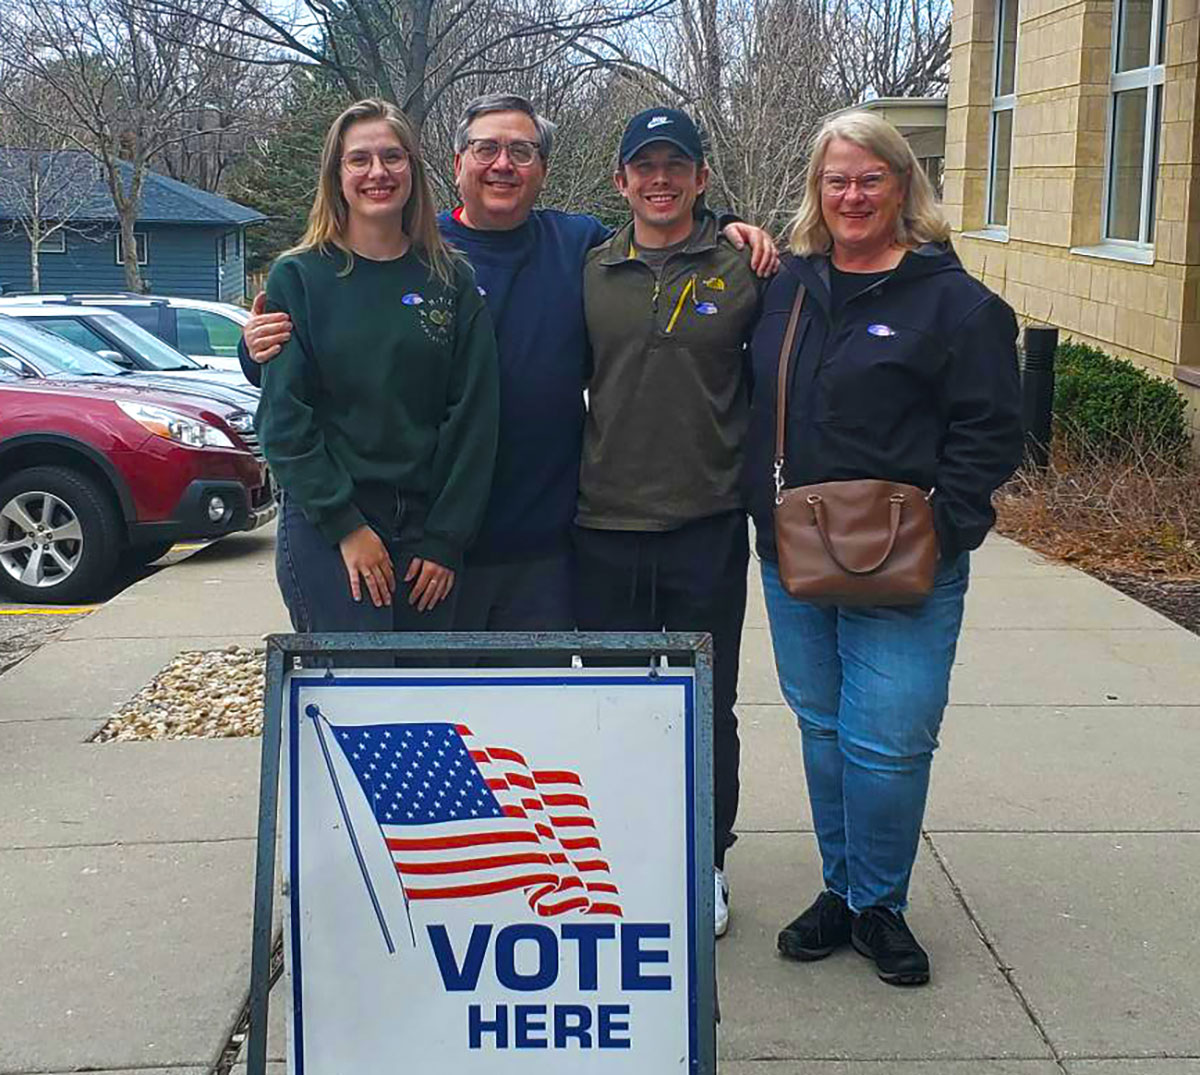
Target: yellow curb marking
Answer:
[[47, 611]]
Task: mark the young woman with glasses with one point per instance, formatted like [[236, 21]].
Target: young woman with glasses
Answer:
[[379, 415]]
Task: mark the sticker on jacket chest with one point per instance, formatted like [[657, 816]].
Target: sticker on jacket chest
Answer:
[[435, 315]]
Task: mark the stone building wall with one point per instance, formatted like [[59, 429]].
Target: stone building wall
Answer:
[[1047, 266]]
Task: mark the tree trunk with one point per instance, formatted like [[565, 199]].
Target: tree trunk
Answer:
[[129, 258], [128, 204], [34, 231], [416, 93]]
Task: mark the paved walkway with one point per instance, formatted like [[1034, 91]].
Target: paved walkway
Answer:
[[1057, 889]]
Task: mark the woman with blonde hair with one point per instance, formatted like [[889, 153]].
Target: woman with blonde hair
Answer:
[[379, 415], [900, 369]]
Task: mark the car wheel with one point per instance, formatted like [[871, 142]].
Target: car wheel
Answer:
[[60, 536]]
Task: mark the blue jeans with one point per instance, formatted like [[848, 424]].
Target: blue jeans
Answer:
[[868, 687], [316, 589]]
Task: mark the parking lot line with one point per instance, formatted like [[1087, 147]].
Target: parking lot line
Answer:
[[47, 611]]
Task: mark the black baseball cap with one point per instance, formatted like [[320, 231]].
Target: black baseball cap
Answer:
[[661, 125]]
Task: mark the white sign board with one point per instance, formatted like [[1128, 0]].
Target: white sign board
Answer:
[[491, 871]]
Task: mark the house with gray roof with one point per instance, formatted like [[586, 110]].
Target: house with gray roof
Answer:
[[190, 243]]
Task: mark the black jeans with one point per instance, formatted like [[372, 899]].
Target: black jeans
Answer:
[[316, 589], [690, 579], [528, 595]]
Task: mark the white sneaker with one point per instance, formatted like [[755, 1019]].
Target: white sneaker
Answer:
[[721, 902]]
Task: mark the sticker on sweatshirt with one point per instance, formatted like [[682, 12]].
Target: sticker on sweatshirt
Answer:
[[413, 298], [437, 318], [706, 309], [714, 283], [881, 330]]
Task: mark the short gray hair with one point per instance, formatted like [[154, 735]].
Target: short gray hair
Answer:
[[504, 102]]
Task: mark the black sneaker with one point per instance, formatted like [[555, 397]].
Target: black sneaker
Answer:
[[824, 927], [884, 936]]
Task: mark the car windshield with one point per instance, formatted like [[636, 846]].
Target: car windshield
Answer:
[[150, 348], [52, 354]]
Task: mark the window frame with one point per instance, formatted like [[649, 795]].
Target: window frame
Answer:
[[1151, 78], [1006, 102], [143, 257], [57, 240]]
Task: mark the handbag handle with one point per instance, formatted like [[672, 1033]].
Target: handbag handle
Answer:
[[785, 355], [818, 509]]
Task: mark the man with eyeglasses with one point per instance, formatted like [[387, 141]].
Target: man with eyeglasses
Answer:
[[529, 267]]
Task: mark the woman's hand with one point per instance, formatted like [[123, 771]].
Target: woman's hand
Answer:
[[265, 334], [433, 583], [365, 555], [764, 257]]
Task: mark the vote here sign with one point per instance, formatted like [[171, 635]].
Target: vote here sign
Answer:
[[492, 871]]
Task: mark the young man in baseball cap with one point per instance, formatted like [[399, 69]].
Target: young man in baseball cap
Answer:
[[660, 536]]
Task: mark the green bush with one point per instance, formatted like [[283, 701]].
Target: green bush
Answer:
[[1115, 407]]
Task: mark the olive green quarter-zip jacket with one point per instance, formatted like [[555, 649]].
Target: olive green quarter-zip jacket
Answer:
[[668, 396]]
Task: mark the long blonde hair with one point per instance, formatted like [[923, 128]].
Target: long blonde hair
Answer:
[[329, 216], [920, 220]]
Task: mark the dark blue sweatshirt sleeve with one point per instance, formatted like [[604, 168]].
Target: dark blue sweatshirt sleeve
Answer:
[[982, 441]]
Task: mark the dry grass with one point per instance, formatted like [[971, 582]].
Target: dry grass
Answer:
[[1134, 516]]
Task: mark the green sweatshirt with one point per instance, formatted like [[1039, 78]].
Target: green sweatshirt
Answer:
[[382, 408]]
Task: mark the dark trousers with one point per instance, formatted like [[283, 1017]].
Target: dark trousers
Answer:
[[529, 595], [316, 587], [690, 579]]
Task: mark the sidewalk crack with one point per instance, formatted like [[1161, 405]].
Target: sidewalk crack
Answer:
[[1005, 970]]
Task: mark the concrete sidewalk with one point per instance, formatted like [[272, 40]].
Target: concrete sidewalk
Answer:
[[1055, 890]]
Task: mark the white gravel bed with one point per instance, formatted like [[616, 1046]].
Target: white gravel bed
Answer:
[[201, 694]]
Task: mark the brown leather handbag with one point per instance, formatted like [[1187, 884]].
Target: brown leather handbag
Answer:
[[857, 542]]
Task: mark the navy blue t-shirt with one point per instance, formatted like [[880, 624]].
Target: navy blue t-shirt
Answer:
[[532, 281]]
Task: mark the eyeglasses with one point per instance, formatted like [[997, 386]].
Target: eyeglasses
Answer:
[[487, 151], [358, 161], [870, 184]]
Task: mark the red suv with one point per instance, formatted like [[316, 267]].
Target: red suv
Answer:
[[92, 472]]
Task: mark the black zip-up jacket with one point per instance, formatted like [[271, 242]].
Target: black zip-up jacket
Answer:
[[914, 380]]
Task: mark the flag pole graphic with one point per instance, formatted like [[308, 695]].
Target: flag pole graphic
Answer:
[[315, 715]]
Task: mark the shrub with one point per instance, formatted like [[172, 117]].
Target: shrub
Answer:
[[1114, 408], [1137, 515]]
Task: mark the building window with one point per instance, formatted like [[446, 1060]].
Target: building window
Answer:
[[1004, 101], [143, 248], [1135, 112], [55, 243]]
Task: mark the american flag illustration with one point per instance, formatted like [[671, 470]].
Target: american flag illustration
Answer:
[[463, 821]]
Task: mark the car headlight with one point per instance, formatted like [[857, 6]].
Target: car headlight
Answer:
[[172, 425]]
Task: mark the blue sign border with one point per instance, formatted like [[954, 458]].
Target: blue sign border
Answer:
[[553, 678]]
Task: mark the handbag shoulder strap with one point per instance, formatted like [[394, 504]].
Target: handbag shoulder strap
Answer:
[[785, 357]]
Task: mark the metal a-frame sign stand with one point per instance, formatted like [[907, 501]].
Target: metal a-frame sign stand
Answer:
[[288, 651]]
